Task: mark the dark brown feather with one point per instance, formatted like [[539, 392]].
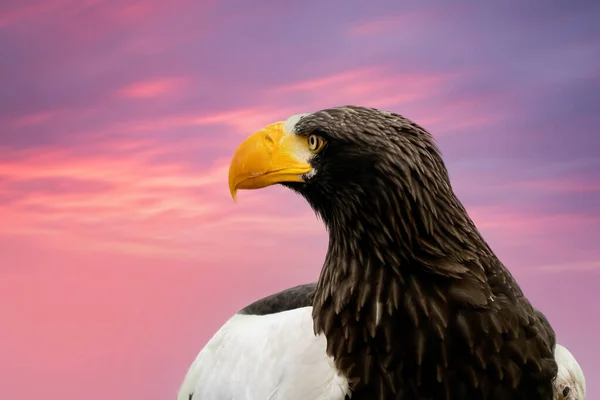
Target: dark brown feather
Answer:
[[453, 322]]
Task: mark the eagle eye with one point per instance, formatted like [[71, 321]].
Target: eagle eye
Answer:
[[315, 143]]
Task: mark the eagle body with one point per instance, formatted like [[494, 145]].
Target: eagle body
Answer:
[[411, 302], [236, 348]]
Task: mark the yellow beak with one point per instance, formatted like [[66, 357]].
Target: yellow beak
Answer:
[[267, 157]]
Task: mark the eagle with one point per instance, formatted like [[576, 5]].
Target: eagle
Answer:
[[411, 302]]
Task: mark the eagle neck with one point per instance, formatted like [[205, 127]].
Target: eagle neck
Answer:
[[383, 257]]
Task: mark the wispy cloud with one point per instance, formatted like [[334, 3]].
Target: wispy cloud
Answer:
[[571, 267], [374, 86], [153, 88], [34, 119], [129, 204], [404, 22]]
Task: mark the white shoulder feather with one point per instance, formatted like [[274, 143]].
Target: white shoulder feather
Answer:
[[570, 375], [265, 357]]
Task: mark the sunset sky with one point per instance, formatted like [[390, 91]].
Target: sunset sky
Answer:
[[121, 251]]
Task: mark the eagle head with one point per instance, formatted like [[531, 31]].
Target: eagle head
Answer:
[[343, 160]]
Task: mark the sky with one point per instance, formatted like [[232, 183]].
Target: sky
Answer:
[[121, 251]]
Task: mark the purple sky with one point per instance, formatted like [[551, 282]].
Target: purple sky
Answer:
[[120, 249]]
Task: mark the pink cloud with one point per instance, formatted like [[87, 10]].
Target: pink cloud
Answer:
[[470, 180], [375, 87], [571, 266], [48, 8], [42, 118], [405, 22], [559, 185], [529, 242], [514, 221], [328, 81], [225, 123], [383, 88], [172, 211], [149, 44], [33, 119], [158, 87], [133, 205], [21, 12], [81, 22]]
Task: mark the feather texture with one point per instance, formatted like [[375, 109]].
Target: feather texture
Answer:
[[457, 324]]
